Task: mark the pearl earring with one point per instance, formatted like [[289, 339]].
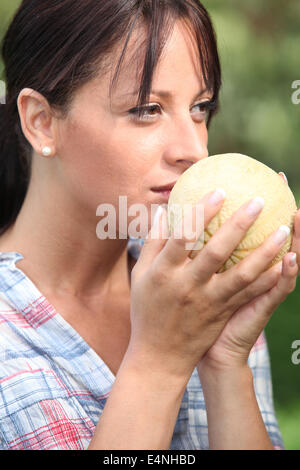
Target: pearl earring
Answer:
[[46, 151]]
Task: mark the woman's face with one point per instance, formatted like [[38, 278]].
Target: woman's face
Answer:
[[107, 152]]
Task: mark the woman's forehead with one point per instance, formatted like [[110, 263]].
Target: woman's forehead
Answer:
[[179, 54]]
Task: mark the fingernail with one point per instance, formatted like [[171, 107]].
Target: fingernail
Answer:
[[293, 259], [286, 180], [255, 206], [218, 196], [282, 234]]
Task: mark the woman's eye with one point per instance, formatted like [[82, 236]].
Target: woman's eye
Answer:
[[202, 109], [144, 112], [149, 113]]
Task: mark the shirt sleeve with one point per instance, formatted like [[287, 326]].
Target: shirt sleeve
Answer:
[[259, 361]]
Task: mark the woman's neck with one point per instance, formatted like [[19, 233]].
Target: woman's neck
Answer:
[[64, 254]]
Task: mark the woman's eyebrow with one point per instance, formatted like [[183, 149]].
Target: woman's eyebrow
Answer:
[[166, 94]]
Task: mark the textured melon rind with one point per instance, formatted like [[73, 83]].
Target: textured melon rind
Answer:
[[260, 180]]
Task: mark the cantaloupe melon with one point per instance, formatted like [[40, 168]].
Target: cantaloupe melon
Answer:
[[243, 178]]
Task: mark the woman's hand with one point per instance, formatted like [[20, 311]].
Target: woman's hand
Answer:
[[180, 306], [233, 346]]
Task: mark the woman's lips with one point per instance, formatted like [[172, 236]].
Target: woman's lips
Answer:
[[164, 194], [164, 191], [165, 187]]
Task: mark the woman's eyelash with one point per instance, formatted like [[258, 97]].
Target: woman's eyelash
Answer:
[[209, 105], [139, 112]]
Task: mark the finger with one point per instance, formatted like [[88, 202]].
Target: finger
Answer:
[[218, 249], [266, 281], [156, 239], [263, 306], [246, 271], [296, 236], [283, 176], [286, 284], [180, 243]]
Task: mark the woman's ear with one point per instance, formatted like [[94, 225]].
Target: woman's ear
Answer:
[[37, 120]]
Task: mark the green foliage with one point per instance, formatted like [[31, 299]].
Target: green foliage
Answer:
[[289, 419], [259, 42], [259, 46], [7, 10]]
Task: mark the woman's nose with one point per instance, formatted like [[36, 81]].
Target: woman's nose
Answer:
[[186, 143]]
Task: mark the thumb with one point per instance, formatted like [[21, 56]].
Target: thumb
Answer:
[[283, 176], [157, 236]]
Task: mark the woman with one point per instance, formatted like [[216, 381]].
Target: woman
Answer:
[[106, 343]]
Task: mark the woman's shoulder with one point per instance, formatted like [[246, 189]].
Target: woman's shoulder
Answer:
[[15, 288], [9, 279], [17, 296]]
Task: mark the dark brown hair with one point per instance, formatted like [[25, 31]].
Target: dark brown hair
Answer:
[[56, 46]]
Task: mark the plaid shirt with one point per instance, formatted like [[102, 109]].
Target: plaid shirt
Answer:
[[53, 386]]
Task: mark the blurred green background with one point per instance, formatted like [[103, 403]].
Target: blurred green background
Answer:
[[259, 48]]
